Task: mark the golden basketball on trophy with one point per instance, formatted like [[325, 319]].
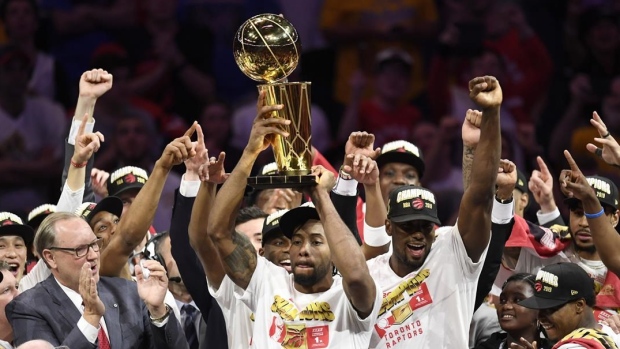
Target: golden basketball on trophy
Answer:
[[267, 49]]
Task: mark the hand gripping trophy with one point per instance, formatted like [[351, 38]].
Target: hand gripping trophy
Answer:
[[267, 49]]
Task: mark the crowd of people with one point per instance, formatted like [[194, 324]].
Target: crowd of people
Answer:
[[464, 197]]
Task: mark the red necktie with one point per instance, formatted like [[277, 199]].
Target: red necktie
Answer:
[[104, 343]]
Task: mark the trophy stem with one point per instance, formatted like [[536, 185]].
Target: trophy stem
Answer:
[[293, 154]]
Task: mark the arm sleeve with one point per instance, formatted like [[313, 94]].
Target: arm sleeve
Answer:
[[499, 236], [89, 331], [69, 199], [189, 266], [346, 206], [550, 219], [28, 324], [501, 226]]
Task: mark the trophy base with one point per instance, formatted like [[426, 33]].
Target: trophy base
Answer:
[[282, 181]]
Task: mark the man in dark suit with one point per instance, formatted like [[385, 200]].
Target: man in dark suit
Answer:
[[77, 308]]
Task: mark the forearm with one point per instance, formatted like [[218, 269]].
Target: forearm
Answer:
[[227, 201], [486, 159], [138, 218], [75, 177], [376, 212], [199, 238], [188, 263], [468, 161], [85, 106], [346, 253], [605, 237], [237, 254]]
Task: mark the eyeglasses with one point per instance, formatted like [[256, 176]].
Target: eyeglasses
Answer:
[[82, 250]]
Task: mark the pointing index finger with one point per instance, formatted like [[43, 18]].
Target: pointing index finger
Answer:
[[190, 131], [543, 167], [571, 161], [201, 136]]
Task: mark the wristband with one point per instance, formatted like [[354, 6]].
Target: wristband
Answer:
[[595, 215], [78, 165], [344, 175], [168, 311], [376, 237]]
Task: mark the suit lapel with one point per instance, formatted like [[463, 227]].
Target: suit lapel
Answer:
[[111, 316], [61, 301]]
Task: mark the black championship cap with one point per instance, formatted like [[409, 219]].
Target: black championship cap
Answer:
[[558, 284], [295, 218], [271, 226], [402, 152], [409, 203], [606, 192], [12, 225], [126, 178], [521, 184], [111, 204], [36, 216]]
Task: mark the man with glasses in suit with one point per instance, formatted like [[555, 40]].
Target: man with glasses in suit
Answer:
[[95, 311]]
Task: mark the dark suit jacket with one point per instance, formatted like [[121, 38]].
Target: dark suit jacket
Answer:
[[46, 312], [194, 277]]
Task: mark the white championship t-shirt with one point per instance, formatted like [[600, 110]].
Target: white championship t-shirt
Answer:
[[431, 307], [286, 318], [238, 317]]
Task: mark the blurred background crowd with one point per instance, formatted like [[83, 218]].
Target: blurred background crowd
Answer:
[[396, 68]]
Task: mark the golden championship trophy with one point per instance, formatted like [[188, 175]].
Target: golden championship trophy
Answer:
[[267, 50]]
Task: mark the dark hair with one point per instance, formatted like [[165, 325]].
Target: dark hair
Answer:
[[247, 214], [5, 4], [530, 279]]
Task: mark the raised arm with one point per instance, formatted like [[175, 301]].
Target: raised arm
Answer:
[[606, 239], [198, 238], [138, 218], [474, 222], [236, 252], [346, 254], [93, 84], [471, 136]]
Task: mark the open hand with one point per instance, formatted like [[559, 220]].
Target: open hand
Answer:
[[87, 288], [215, 170], [363, 169], [524, 345], [486, 92], [153, 289], [281, 199], [99, 182], [611, 149]]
